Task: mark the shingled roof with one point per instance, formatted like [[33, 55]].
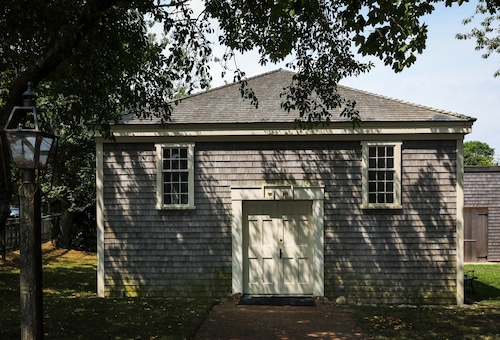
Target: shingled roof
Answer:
[[225, 105]]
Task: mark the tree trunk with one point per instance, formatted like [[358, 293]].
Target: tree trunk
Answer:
[[5, 190], [66, 226]]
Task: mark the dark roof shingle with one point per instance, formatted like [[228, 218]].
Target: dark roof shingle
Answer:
[[225, 105]]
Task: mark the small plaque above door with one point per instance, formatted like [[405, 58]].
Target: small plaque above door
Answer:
[[278, 192]]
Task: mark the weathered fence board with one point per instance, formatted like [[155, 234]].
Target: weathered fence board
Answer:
[[10, 235]]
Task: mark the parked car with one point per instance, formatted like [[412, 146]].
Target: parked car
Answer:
[[14, 212]]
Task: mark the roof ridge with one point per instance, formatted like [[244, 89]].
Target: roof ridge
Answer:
[[229, 84], [455, 114]]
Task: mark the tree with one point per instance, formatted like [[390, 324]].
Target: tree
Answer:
[[93, 60], [478, 153], [70, 178], [487, 35]]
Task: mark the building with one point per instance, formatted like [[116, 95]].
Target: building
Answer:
[[228, 199]]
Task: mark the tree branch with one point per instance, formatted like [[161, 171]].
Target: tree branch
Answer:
[[56, 53]]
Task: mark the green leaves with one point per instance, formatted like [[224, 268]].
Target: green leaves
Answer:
[[310, 32], [478, 153], [487, 34], [100, 53], [391, 31], [319, 37]]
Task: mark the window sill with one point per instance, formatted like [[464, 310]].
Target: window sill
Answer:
[[176, 207], [381, 207]]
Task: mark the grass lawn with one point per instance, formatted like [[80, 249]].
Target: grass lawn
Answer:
[[478, 319], [73, 311]]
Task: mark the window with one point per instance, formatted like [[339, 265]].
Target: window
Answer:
[[175, 179], [381, 175]]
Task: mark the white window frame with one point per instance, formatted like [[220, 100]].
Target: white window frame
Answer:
[[160, 204], [396, 204]]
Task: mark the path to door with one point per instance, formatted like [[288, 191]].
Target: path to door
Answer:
[[231, 321]]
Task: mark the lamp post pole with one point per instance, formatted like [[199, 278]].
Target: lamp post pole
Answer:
[[31, 300], [30, 149], [30, 250]]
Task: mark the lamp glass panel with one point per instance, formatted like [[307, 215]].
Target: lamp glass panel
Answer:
[[22, 148], [45, 147]]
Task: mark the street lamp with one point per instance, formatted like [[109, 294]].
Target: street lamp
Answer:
[[29, 149]]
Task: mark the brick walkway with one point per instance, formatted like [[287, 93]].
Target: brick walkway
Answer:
[[230, 321]]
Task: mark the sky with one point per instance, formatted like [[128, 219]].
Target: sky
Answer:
[[450, 75]]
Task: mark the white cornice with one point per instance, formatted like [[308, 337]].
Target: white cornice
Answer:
[[438, 130]]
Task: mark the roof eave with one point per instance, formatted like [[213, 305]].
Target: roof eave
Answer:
[[292, 130]]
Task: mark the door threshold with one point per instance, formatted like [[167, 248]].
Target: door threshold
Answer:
[[277, 300]]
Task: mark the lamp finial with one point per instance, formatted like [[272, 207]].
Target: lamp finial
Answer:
[[29, 95]]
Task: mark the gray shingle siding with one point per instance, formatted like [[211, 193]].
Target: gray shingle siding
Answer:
[[402, 256], [482, 189]]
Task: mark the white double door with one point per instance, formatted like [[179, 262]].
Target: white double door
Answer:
[[278, 247]]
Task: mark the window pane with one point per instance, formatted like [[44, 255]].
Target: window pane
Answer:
[[381, 186], [184, 199], [184, 153], [372, 152], [184, 188], [390, 163], [372, 198], [389, 198], [389, 187], [381, 198], [372, 187], [174, 153], [390, 151], [167, 199], [381, 163], [175, 187], [381, 151], [372, 175], [380, 175]]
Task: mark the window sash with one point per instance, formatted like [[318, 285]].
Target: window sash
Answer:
[[175, 176], [381, 175]]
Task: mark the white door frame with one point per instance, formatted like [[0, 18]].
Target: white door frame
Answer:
[[314, 193]]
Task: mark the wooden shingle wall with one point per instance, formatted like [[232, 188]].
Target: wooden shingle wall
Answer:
[[482, 189], [371, 256]]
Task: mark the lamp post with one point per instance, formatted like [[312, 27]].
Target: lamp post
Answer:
[[29, 149]]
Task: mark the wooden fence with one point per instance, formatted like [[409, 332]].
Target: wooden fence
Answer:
[[9, 238]]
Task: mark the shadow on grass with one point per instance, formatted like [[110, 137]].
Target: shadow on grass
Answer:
[[482, 293], [478, 319], [72, 309], [429, 322]]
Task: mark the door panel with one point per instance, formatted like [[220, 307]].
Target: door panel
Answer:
[[475, 234], [261, 236], [278, 247]]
